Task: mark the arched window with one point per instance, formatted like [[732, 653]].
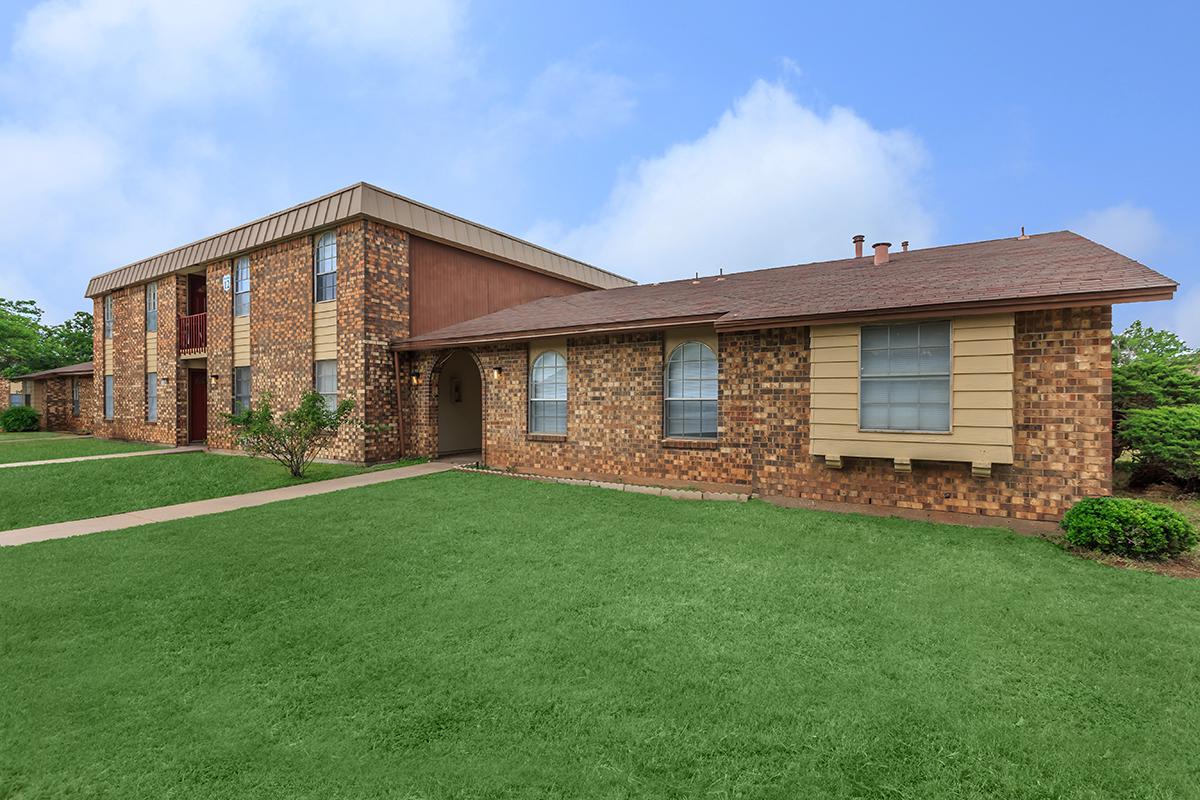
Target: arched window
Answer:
[[548, 394], [325, 263], [691, 396]]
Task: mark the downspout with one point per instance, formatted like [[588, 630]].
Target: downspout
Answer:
[[399, 400]]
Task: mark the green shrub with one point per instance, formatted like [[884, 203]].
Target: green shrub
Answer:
[[293, 438], [1128, 527], [19, 419], [1165, 441]]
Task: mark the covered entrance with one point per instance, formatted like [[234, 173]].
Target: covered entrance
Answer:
[[460, 405]]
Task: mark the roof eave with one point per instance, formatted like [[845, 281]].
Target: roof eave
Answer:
[[656, 323]]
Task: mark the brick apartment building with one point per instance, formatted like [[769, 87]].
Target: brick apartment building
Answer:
[[63, 397], [973, 378]]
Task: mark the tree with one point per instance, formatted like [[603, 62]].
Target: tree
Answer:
[[1141, 341], [1165, 442], [297, 437], [27, 345]]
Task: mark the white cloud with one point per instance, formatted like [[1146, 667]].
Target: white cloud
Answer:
[[151, 52], [1130, 230], [772, 183]]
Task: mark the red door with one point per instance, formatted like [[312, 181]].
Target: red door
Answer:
[[197, 295], [197, 405]]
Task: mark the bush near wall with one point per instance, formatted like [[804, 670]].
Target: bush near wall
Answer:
[[19, 419], [1165, 441], [1127, 527]]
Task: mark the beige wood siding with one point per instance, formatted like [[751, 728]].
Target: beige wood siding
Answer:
[[539, 346], [325, 330], [151, 351], [981, 424], [108, 357], [673, 337], [241, 341]]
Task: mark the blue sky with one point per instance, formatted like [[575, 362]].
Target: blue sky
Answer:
[[653, 139]]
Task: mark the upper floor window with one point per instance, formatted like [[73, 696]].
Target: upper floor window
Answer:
[[241, 287], [548, 394], [151, 307], [108, 316], [904, 382], [325, 260], [691, 396]]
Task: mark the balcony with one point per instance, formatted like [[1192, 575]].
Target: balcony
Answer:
[[193, 334]]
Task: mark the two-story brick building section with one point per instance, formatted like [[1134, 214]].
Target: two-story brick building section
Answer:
[[971, 378]]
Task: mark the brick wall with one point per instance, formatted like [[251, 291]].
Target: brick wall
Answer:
[[129, 367], [1062, 408]]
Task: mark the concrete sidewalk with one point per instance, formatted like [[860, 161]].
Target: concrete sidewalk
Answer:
[[196, 448], [130, 519]]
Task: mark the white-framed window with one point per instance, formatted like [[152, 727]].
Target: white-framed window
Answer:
[[151, 307], [16, 399], [241, 389], [904, 377], [548, 394], [690, 400], [108, 316], [241, 287], [75, 396], [325, 267], [108, 396], [325, 381], [151, 396]]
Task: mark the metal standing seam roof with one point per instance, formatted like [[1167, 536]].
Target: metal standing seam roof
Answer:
[[1043, 271], [362, 200]]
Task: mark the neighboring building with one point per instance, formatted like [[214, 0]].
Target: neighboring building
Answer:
[[310, 297], [973, 378], [63, 396]]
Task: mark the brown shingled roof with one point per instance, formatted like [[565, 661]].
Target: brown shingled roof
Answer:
[[1042, 271], [72, 370], [360, 201]]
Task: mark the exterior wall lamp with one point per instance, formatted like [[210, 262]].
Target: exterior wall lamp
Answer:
[[214, 378], [415, 377], [497, 372]]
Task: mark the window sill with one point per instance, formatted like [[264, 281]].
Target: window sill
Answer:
[[674, 443], [910, 432], [545, 437]]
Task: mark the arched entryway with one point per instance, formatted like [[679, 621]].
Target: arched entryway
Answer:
[[460, 405]]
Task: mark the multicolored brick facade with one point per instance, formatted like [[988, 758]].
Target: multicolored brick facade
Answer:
[[1062, 400]]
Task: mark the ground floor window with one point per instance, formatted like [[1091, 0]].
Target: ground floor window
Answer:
[[691, 396], [16, 399], [151, 396], [905, 377], [548, 394], [108, 396], [241, 389], [74, 397], [325, 380]]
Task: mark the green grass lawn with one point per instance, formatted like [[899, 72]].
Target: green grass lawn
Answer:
[[59, 492], [475, 636], [43, 446]]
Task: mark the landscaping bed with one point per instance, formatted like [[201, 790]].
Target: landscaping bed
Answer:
[[465, 635]]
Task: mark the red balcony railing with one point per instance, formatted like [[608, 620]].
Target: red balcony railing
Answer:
[[193, 334]]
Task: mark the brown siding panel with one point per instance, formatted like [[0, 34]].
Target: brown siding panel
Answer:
[[451, 285]]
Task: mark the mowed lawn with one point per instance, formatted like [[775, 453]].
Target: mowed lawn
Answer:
[[475, 636], [16, 447], [38, 495]]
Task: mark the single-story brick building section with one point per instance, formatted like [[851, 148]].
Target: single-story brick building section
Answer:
[[63, 396], [970, 379]]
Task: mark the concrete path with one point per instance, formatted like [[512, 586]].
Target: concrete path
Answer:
[[168, 451], [198, 508]]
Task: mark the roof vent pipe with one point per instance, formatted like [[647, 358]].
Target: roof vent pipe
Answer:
[[881, 252], [904, 245], [858, 243]]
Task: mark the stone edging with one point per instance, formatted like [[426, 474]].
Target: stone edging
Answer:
[[677, 494]]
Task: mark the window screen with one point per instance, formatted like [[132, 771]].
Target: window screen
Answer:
[[151, 397], [108, 396], [905, 377]]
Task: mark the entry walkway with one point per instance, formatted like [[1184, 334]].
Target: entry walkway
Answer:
[[198, 508], [153, 452]]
